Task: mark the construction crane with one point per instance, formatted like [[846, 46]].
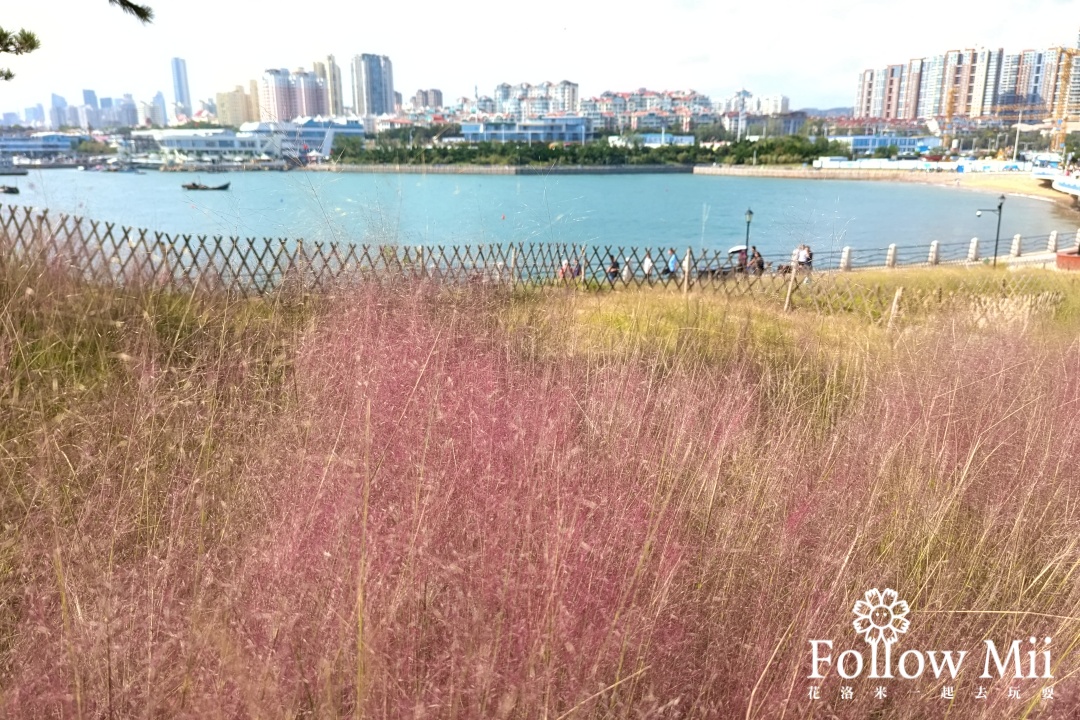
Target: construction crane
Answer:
[[947, 125]]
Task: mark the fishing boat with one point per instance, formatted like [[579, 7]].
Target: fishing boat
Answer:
[[7, 167], [8, 190], [200, 186]]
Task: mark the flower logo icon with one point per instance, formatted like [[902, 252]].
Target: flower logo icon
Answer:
[[881, 616]]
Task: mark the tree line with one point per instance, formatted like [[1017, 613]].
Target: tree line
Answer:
[[387, 150]]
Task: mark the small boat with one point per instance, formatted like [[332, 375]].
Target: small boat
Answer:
[[8, 190], [200, 186]]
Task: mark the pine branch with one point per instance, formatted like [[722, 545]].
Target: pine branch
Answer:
[[16, 43], [143, 12]]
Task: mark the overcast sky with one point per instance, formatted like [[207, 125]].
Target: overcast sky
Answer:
[[809, 51]]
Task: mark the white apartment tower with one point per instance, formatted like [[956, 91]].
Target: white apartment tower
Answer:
[[566, 96]]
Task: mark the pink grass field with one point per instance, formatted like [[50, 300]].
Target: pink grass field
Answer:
[[414, 504]]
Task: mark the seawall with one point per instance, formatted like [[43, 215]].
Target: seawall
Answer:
[[810, 173]]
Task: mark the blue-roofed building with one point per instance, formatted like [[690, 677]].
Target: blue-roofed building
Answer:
[[867, 144], [39, 145], [566, 129]]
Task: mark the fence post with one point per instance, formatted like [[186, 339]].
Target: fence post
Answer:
[[513, 266], [895, 306], [1014, 251], [687, 259], [420, 260], [790, 286], [933, 257], [845, 259], [890, 256], [973, 250], [1051, 243]]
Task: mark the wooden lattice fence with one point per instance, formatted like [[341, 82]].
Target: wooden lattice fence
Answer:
[[111, 253]]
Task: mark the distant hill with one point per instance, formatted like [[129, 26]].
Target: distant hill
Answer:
[[831, 112]]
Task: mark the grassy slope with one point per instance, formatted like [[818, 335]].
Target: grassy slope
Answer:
[[463, 505]]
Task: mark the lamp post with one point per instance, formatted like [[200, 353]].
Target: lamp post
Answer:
[[997, 237], [749, 217]]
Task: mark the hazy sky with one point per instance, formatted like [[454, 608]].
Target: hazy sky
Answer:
[[809, 51]]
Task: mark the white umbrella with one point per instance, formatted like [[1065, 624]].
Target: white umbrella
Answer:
[[735, 249]]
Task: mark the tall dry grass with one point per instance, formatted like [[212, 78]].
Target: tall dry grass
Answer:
[[417, 502]]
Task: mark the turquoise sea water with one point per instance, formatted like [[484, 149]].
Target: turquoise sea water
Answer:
[[627, 210]]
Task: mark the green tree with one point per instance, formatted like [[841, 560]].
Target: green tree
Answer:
[[16, 43], [886, 152], [90, 147], [23, 41]]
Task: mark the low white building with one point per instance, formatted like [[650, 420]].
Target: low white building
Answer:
[[306, 137]]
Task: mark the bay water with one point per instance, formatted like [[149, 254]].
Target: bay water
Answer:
[[706, 212]]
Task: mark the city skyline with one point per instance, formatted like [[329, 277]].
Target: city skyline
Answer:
[[713, 50]]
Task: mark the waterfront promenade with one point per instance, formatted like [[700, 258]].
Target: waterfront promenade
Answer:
[[111, 253], [1011, 183]]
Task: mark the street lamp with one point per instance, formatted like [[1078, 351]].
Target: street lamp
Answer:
[[997, 238], [749, 217]]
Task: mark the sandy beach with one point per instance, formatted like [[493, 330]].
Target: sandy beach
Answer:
[[1013, 183]]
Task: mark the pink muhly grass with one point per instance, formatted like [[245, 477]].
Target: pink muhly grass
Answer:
[[437, 520]]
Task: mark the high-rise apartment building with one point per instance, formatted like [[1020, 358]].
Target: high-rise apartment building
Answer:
[[234, 107], [429, 99], [1029, 78], [972, 83], [181, 92], [958, 83], [308, 94], [154, 112], [986, 81], [129, 112], [931, 82], [565, 97], [35, 116], [1007, 83], [57, 112], [372, 85], [276, 97], [330, 74], [253, 100], [864, 97], [285, 96], [90, 98], [773, 104], [909, 90], [1061, 83]]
